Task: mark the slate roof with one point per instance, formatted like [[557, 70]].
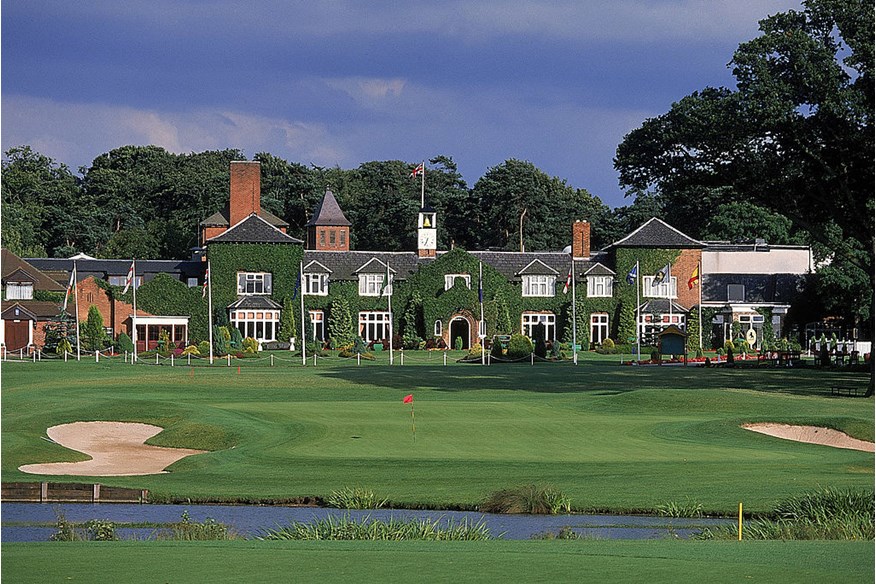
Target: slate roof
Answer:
[[759, 288], [256, 302], [327, 212], [343, 264], [102, 269], [599, 270], [253, 229], [24, 271], [510, 263], [656, 233], [314, 267], [538, 268], [220, 218]]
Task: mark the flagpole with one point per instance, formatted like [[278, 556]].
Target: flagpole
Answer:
[[389, 307], [209, 284], [638, 317], [423, 186], [700, 304], [76, 297], [482, 330], [303, 333], [574, 317], [134, 317]]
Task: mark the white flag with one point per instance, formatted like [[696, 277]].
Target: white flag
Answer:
[[129, 279]]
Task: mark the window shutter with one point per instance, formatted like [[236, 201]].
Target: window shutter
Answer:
[[362, 284], [268, 284]]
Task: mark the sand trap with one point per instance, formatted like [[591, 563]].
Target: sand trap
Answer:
[[812, 435], [116, 449]]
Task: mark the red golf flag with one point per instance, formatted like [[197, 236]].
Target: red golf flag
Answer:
[[408, 399]]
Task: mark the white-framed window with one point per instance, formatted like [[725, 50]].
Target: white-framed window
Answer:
[[19, 291], [317, 325], [751, 319], [665, 290], [262, 325], [253, 283], [372, 285], [192, 282], [600, 286], [316, 284], [530, 320], [539, 285], [439, 328], [450, 280], [598, 327], [374, 325], [120, 281]]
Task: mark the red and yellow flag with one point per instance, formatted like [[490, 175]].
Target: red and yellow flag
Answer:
[[694, 278]]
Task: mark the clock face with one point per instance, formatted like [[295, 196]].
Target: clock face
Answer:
[[426, 239]]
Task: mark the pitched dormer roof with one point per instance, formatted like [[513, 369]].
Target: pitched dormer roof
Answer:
[[314, 267], [327, 212], [537, 268], [598, 269], [656, 233], [373, 266], [253, 229]]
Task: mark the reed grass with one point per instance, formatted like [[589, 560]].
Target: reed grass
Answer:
[[188, 530], [839, 514], [368, 529], [676, 509], [355, 498], [532, 499]]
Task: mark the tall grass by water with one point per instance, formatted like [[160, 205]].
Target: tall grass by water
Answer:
[[355, 498], [533, 499], [368, 529], [842, 514]]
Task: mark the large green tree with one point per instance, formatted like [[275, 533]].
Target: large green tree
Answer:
[[795, 136]]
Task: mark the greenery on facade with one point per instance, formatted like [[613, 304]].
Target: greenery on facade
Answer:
[[93, 333]]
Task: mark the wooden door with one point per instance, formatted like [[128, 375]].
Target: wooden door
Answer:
[[17, 334]]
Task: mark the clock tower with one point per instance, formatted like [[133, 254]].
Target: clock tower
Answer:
[[427, 233]]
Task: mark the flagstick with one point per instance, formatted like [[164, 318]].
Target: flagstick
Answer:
[[574, 318], [638, 318], [423, 187], [76, 297], [413, 423], [301, 291], [210, 309]]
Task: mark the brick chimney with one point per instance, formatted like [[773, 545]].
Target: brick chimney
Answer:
[[581, 240], [245, 190]]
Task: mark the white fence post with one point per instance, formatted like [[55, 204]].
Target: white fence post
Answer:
[[171, 359], [272, 360], [445, 358]]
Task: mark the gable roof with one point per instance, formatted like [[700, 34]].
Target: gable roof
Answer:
[[365, 269], [598, 269], [314, 267], [327, 212], [537, 268], [656, 233], [31, 309], [253, 229], [220, 218], [344, 265], [11, 264]]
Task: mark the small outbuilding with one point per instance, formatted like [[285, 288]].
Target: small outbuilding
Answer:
[[672, 341]]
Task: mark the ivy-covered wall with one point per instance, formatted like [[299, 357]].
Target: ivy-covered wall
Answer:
[[165, 295], [650, 260], [226, 259]]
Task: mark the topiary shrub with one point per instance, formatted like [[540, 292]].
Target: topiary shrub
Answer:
[[496, 351], [204, 347], [125, 343], [236, 340], [608, 344], [519, 347], [192, 350]]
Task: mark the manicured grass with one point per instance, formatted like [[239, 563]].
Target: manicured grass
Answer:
[[609, 437], [494, 561]]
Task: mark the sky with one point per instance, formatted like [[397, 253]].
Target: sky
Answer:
[[558, 83]]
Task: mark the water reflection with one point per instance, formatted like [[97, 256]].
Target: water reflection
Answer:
[[250, 521]]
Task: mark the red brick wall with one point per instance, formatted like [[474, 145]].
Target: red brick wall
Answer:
[[682, 269], [115, 313], [321, 238], [581, 239], [245, 190]]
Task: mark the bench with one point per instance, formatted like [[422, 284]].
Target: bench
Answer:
[[847, 390]]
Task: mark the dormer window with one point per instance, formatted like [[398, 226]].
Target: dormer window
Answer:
[[451, 279], [373, 285], [316, 284], [19, 291], [599, 286], [253, 283], [539, 285]]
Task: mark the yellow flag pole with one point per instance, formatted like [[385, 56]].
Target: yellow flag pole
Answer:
[[740, 521]]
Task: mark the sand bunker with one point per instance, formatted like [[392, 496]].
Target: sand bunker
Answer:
[[812, 435], [116, 449]]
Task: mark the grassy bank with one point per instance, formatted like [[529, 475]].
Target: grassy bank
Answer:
[[492, 561], [608, 437]]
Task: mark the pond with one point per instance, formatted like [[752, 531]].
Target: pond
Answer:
[[35, 521]]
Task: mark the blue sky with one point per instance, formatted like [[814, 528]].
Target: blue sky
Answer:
[[340, 82]]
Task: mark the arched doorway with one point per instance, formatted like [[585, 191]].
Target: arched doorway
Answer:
[[460, 328]]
